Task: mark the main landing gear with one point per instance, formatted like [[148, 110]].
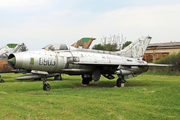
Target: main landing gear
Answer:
[[1, 80], [46, 86], [120, 81], [86, 79]]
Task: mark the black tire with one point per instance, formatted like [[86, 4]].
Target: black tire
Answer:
[[46, 87], [118, 82], [85, 81], [1, 80]]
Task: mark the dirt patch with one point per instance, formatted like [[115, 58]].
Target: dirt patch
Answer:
[[120, 117], [144, 89]]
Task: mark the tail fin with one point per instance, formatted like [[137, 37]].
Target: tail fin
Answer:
[[137, 48], [84, 42], [19, 48]]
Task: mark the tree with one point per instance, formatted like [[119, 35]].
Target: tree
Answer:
[[106, 47], [126, 44], [110, 46], [112, 43], [98, 47]]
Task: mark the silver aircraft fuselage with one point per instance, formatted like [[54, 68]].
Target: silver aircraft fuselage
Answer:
[[71, 62]]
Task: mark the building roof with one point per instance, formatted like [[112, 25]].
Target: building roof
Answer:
[[167, 44], [164, 45]]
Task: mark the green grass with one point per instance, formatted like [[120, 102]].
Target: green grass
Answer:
[[147, 96]]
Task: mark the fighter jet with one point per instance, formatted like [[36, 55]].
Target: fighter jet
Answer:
[[4, 52], [90, 64]]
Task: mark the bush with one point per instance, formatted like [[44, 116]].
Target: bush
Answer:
[[173, 59]]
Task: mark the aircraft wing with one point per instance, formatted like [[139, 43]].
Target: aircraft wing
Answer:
[[125, 64], [92, 63], [108, 64]]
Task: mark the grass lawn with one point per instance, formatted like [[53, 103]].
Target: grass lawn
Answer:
[[147, 96]]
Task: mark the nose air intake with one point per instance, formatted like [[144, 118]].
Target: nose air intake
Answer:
[[11, 60]]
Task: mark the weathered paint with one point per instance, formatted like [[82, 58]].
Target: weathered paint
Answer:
[[4, 67]]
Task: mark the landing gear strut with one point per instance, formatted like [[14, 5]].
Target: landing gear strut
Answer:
[[58, 77], [46, 86]]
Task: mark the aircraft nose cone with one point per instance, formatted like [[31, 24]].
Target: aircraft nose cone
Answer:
[[12, 61]]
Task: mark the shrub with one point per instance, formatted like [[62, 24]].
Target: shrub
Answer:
[[173, 59]]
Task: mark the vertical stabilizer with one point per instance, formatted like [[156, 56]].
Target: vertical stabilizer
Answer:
[[84, 43], [137, 48]]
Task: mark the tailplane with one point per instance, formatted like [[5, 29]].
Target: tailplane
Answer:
[[137, 48]]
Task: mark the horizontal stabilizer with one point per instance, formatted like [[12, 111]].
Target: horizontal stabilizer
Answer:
[[158, 65]]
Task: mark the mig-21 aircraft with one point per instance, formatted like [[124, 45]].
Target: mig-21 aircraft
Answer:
[[90, 64]]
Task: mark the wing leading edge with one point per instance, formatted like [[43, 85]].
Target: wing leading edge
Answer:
[[124, 64]]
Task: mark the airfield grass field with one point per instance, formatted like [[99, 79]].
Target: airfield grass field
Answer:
[[147, 96]]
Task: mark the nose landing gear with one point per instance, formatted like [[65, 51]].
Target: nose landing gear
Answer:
[[46, 86]]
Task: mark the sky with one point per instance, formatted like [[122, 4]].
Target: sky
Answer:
[[38, 23]]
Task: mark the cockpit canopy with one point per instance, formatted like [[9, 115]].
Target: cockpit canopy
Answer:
[[55, 47]]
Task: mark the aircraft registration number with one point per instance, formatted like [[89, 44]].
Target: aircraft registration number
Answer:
[[47, 62]]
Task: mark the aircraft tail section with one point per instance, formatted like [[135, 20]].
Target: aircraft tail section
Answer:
[[19, 48], [137, 48], [11, 48], [84, 43]]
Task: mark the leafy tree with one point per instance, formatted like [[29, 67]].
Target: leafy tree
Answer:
[[98, 47], [110, 46], [106, 47], [126, 44]]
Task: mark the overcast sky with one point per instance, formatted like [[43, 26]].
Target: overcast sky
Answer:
[[38, 23]]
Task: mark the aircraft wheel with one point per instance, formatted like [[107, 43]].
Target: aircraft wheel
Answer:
[[85, 81], [118, 82], [46, 87], [1, 80]]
